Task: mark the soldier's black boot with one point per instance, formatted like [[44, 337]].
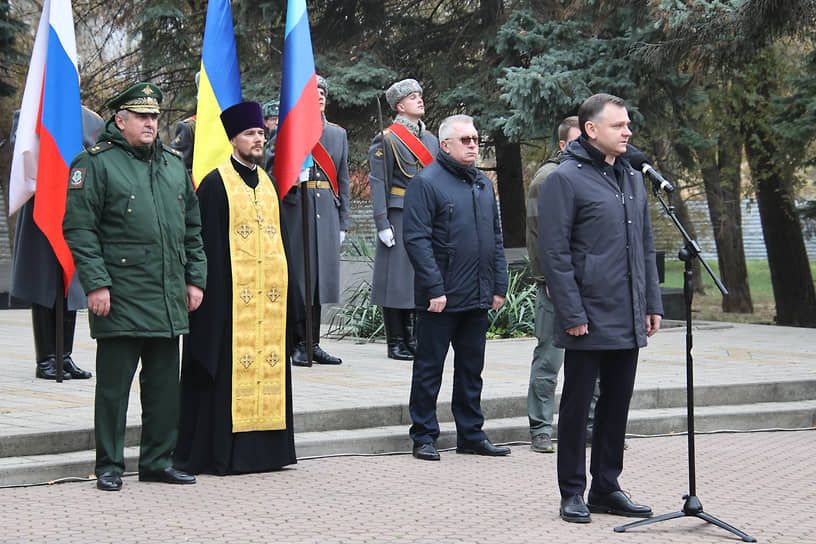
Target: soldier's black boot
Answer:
[[319, 355], [299, 355], [409, 320], [394, 330], [68, 364], [44, 325]]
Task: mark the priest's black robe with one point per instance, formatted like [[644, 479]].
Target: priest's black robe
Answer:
[[206, 443]]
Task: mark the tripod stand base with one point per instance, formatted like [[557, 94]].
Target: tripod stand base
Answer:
[[692, 507]]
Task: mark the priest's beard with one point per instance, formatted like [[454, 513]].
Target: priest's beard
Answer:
[[254, 157]]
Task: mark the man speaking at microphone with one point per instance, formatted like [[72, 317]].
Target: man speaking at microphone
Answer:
[[597, 251]]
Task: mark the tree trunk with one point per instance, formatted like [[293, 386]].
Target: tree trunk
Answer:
[[721, 176], [511, 190], [792, 280]]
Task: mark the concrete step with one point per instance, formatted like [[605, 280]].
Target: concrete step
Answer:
[[394, 438], [44, 443], [54, 442]]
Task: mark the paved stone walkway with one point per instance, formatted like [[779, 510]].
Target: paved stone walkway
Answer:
[[761, 483]]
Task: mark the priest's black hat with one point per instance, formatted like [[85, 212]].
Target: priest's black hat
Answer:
[[240, 117]]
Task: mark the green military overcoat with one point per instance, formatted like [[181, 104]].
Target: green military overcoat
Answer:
[[133, 225]]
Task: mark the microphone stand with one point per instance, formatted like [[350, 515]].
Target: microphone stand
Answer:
[[692, 505]]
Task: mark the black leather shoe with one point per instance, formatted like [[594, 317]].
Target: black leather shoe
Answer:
[[619, 504], [109, 481], [426, 452], [71, 368], [169, 475], [322, 358], [574, 510], [398, 350], [47, 370], [483, 447], [299, 355]]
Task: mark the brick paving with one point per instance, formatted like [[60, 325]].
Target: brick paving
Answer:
[[761, 483]]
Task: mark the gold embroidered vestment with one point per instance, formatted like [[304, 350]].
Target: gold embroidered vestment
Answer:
[[259, 287]]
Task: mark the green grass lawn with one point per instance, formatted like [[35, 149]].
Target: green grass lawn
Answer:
[[708, 307]]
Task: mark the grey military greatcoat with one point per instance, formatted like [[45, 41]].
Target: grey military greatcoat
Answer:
[[391, 171], [328, 215]]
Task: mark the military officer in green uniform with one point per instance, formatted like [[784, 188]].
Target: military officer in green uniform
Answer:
[[133, 226]]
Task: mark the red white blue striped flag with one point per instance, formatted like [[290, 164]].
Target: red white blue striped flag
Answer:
[[49, 132], [300, 123]]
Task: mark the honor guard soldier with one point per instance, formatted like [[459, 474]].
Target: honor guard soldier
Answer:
[[270, 120], [132, 223], [34, 280], [185, 136], [395, 157], [327, 194]]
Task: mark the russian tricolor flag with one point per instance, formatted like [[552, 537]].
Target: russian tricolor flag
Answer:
[[49, 132], [219, 87], [300, 123]]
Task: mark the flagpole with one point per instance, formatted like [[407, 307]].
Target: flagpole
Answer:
[[60, 323], [307, 269]]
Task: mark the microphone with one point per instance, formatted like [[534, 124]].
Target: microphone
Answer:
[[637, 159], [658, 181]]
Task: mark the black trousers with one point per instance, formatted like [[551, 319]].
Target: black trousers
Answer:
[[300, 325], [465, 331], [616, 369]]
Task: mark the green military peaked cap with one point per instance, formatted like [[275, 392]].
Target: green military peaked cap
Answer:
[[140, 98]]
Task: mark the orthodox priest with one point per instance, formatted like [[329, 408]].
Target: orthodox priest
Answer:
[[236, 401]]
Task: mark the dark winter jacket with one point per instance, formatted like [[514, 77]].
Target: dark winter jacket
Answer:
[[597, 250], [452, 234]]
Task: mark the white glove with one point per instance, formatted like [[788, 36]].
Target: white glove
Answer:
[[342, 236], [386, 236]]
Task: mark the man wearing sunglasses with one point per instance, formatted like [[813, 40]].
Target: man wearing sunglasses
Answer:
[[453, 237]]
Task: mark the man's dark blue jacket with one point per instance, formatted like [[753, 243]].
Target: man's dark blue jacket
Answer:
[[597, 250], [453, 237]]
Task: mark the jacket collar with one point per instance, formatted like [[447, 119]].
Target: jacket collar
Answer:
[[111, 133], [580, 149]]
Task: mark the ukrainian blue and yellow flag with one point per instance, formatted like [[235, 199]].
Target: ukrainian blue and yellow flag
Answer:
[[219, 88]]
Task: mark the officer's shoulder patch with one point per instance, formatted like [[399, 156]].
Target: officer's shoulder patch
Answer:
[[172, 151], [76, 180], [99, 147]]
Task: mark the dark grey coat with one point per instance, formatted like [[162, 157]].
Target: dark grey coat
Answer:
[[393, 282], [34, 268], [597, 251], [328, 215]]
